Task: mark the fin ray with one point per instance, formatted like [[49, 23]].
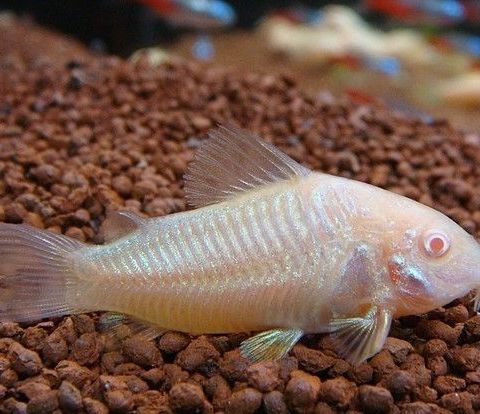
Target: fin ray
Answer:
[[112, 324], [36, 273], [270, 345], [232, 161], [361, 337]]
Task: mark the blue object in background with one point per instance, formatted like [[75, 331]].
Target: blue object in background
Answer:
[[467, 43], [388, 65], [222, 11], [203, 48]]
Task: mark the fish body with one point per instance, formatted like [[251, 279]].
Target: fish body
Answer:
[[196, 14], [273, 247]]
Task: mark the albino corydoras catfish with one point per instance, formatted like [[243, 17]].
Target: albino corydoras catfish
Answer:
[[272, 247]]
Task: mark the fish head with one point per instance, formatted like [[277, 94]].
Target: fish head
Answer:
[[431, 261]]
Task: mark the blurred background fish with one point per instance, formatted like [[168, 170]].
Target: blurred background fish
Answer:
[[194, 14], [420, 11]]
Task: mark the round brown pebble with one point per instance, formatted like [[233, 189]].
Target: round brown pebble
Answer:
[[274, 403], [264, 376], [312, 360], [87, 348], [302, 391], [398, 348], [173, 342], [94, 406], [10, 329], [435, 347], [119, 401], [186, 398], [246, 401], [69, 397], [400, 383], [197, 355], [12, 406], [24, 361], [54, 349], [43, 403], [83, 324], [375, 399], [338, 392], [383, 365], [142, 352], [74, 373], [456, 314], [233, 366], [446, 384], [472, 326], [218, 391], [34, 338], [465, 359], [419, 407], [435, 329], [458, 402]]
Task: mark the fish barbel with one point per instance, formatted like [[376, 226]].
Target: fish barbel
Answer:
[[272, 247]]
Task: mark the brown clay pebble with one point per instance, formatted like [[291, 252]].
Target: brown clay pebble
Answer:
[[24, 361], [311, 360], [398, 348], [274, 403], [87, 348], [246, 401], [338, 392], [264, 376], [456, 314], [400, 383], [197, 355], [186, 398], [69, 397], [472, 326], [173, 342], [119, 401], [375, 399], [94, 406], [84, 135], [142, 352], [43, 403], [302, 391]]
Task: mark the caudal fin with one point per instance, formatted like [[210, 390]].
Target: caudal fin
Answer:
[[36, 273]]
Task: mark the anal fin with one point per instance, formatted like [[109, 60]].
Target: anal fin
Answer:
[[121, 326], [360, 338], [270, 345]]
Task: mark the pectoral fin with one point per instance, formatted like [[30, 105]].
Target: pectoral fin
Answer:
[[360, 338], [270, 345]]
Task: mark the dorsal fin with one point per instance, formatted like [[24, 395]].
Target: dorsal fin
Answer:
[[232, 161], [119, 224]]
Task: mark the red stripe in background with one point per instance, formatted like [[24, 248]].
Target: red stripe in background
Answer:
[[161, 6], [391, 7]]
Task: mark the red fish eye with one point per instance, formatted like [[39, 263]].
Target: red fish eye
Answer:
[[436, 244]]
